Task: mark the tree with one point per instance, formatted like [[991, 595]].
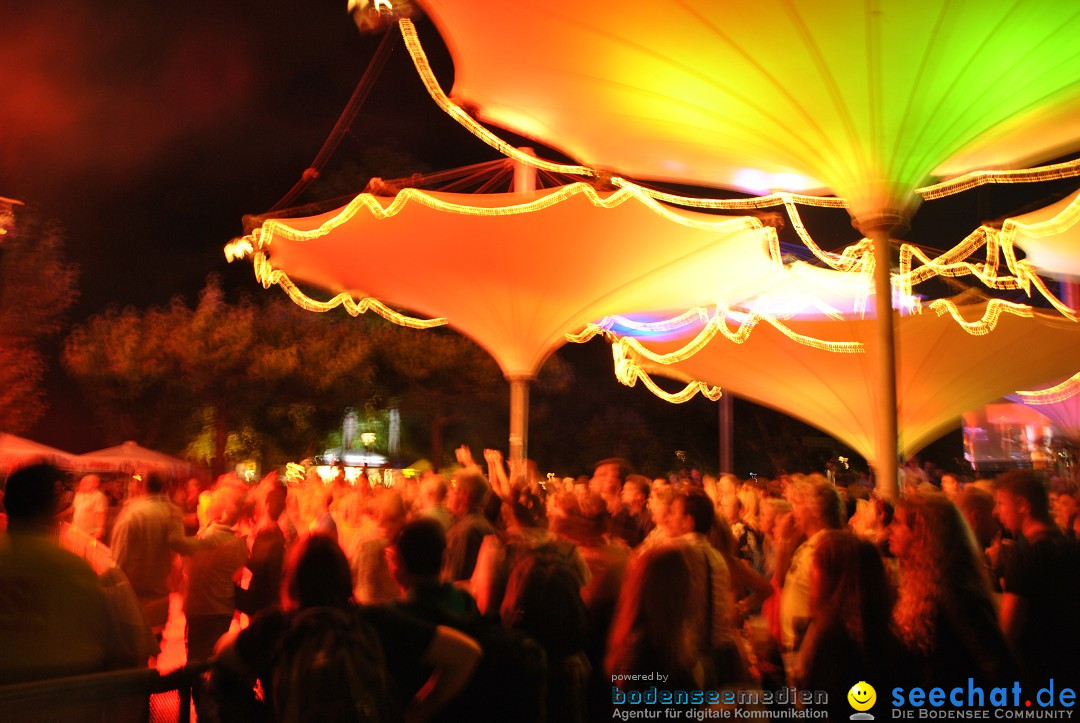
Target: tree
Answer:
[[172, 371], [441, 378], [37, 287]]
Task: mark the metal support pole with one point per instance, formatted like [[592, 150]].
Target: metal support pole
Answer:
[[725, 406], [519, 416], [886, 466]]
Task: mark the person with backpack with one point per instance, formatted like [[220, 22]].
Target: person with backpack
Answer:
[[322, 657]]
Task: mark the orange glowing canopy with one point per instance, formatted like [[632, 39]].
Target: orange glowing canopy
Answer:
[[942, 371], [518, 271], [867, 100]]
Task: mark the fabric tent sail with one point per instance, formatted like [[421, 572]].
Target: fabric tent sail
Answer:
[[863, 100], [941, 372], [516, 272]]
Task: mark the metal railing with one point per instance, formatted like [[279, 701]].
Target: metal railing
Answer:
[[117, 696]]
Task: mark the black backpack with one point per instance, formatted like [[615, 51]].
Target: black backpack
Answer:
[[329, 666]]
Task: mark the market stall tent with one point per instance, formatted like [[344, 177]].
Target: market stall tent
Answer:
[[131, 457], [16, 451]]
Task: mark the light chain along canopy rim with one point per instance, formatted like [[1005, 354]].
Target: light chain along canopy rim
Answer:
[[942, 371], [516, 272]]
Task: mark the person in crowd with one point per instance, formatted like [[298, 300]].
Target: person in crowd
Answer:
[[773, 511], [543, 600], [373, 581], [944, 611], [54, 619], [690, 519], [749, 587], [319, 607], [747, 538], [433, 500], [851, 636], [609, 469], [267, 557], [416, 559], [524, 533], [466, 502], [652, 631], [631, 521], [147, 532], [977, 507], [323, 522], [816, 508], [660, 496], [1041, 581], [209, 600], [952, 487], [606, 557], [90, 508], [1064, 511]]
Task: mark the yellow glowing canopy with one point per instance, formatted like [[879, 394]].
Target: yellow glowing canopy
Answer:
[[516, 272], [867, 100], [941, 372]]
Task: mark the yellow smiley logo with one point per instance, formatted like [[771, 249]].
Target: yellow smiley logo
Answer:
[[862, 696]]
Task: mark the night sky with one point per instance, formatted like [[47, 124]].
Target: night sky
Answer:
[[148, 129]]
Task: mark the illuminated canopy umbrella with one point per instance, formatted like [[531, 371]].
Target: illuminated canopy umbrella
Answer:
[[941, 372], [864, 100], [516, 272]]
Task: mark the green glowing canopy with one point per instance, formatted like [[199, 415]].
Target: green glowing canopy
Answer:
[[866, 100]]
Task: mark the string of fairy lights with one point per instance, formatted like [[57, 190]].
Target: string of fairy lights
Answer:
[[1001, 268], [1055, 394]]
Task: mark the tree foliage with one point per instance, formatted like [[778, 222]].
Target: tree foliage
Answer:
[[169, 372], [37, 286], [443, 383]]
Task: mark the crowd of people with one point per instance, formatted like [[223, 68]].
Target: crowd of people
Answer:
[[496, 593]]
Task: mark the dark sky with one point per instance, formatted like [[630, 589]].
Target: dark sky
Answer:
[[148, 129]]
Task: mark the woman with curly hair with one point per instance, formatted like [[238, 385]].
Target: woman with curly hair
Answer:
[[851, 636], [945, 613]]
